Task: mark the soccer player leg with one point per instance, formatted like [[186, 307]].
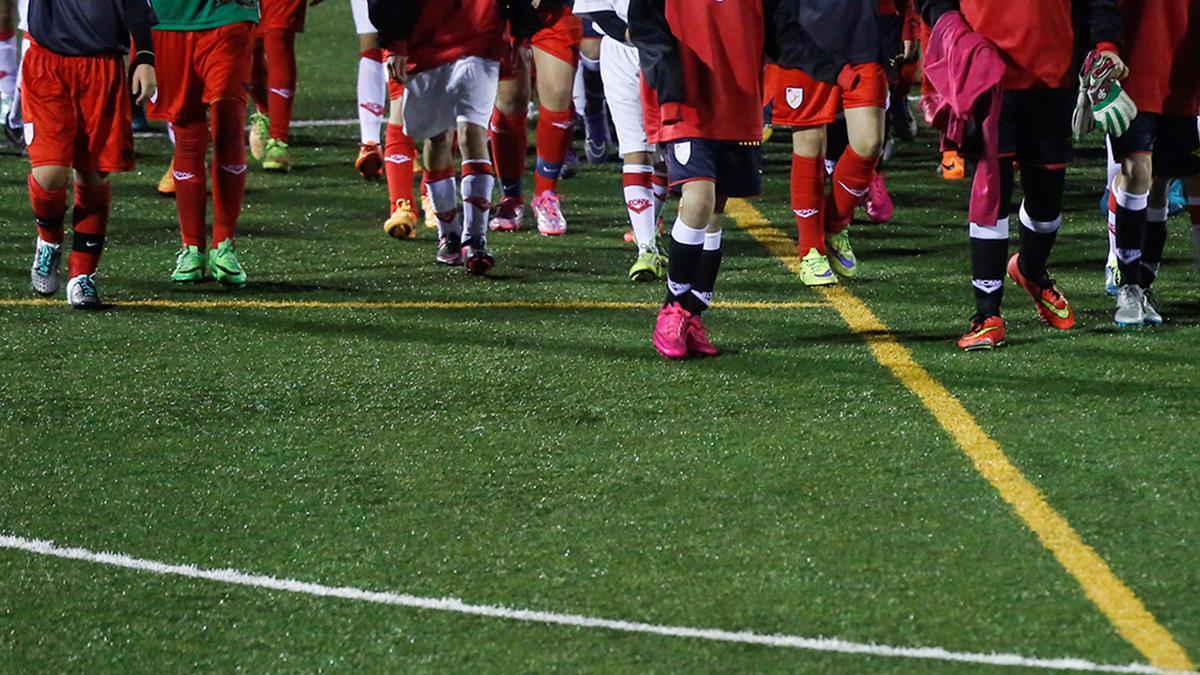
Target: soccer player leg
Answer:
[[595, 118], [431, 112], [989, 253], [473, 86], [555, 55], [399, 161], [51, 127], [372, 104], [1133, 152], [509, 140], [865, 111], [808, 203], [693, 166]]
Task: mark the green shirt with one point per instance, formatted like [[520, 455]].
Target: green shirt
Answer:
[[193, 15]]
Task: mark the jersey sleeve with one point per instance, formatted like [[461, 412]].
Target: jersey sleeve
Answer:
[[139, 19], [394, 20], [658, 51]]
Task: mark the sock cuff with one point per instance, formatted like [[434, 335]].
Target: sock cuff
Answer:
[[999, 231], [688, 236], [437, 175], [88, 195], [1157, 215], [589, 64], [1042, 226], [1130, 201], [712, 240], [808, 167], [476, 167], [373, 54], [552, 116], [639, 169], [852, 157], [40, 193]]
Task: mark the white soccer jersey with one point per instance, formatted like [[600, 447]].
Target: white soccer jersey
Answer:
[[621, 7]]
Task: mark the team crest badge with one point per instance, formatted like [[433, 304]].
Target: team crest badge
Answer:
[[683, 152], [795, 96]]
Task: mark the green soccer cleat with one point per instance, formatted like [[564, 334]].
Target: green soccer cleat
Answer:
[[191, 266], [277, 157], [260, 135], [815, 270], [841, 254], [650, 265], [223, 265]]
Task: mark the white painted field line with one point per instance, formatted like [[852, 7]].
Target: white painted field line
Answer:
[[230, 576], [296, 124]]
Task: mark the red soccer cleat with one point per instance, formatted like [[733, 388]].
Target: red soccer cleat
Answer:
[[671, 331], [1051, 305], [984, 334], [698, 343]]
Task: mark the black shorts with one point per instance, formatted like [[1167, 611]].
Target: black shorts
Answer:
[[736, 167], [1172, 139], [1035, 128]]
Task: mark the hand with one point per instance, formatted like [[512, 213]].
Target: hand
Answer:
[[910, 52], [397, 67], [1119, 70], [145, 83], [535, 3]]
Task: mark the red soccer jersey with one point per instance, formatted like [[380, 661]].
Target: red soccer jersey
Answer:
[[721, 45], [448, 30], [1035, 38], [1162, 45]]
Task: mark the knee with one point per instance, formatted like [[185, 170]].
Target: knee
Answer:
[[869, 147], [1137, 173], [52, 177], [809, 143]]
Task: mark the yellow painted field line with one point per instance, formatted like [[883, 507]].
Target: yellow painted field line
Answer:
[[564, 305], [1123, 609]]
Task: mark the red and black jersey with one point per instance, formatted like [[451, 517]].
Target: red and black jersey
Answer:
[[703, 62], [1162, 47], [1036, 38]]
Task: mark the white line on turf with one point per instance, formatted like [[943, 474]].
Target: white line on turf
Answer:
[[817, 644], [296, 124]]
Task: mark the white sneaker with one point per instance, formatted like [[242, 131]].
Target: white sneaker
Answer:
[[82, 293], [1130, 306], [43, 275], [1153, 318]]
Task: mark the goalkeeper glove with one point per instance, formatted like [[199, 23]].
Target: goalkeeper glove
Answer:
[[1102, 101]]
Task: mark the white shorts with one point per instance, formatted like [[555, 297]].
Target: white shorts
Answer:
[[439, 99], [362, 17], [23, 16], [621, 73]]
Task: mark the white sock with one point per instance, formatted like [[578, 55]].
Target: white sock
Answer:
[[372, 98], [477, 183], [578, 96], [8, 67], [444, 195], [661, 192], [640, 201]]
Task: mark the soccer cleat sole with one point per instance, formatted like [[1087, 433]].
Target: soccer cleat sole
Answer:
[[982, 346], [277, 167], [478, 266], [370, 167], [400, 230], [666, 352]]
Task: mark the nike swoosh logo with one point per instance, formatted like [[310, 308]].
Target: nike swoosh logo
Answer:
[[947, 167], [91, 244], [1060, 313], [856, 193], [983, 332]]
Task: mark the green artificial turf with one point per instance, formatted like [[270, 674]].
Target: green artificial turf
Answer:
[[549, 459]]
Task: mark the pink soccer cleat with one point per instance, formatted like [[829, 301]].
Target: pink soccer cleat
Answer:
[[510, 215], [550, 221], [671, 331], [879, 202], [698, 343]]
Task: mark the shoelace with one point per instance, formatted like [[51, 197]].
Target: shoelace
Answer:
[[45, 258], [87, 287], [813, 265]]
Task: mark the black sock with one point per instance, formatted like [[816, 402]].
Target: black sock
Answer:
[[1130, 230], [1152, 248], [701, 296], [988, 259], [1041, 215], [593, 92], [684, 261]]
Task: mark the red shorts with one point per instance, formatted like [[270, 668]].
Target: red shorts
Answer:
[[196, 68], [799, 100], [282, 15], [560, 37], [77, 111]]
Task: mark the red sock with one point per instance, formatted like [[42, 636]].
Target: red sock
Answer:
[[280, 49], [49, 209], [554, 131], [258, 75], [92, 205], [509, 141], [808, 198], [229, 167], [398, 164], [851, 178], [191, 189]]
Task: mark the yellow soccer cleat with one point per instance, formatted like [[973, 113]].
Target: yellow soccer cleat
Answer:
[[166, 184], [403, 222], [431, 219]]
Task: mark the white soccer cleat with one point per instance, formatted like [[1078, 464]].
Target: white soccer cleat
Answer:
[[82, 293], [1131, 311], [43, 275], [1150, 309]]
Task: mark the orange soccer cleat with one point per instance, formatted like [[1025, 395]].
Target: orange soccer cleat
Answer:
[[985, 333], [403, 222], [1051, 304], [370, 161], [952, 166]]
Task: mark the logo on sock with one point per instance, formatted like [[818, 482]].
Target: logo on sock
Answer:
[[857, 193], [182, 175], [235, 169], [677, 288], [280, 91], [372, 107], [397, 158], [795, 96], [1128, 255], [806, 213], [639, 205], [988, 285], [563, 125]]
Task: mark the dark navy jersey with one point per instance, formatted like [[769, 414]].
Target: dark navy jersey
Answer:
[[821, 37], [87, 27]]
